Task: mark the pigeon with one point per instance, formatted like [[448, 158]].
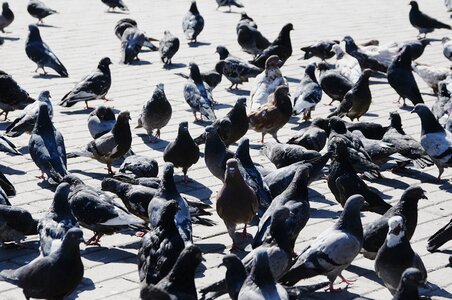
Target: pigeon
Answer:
[[333, 250], [6, 18], [140, 166], [260, 283], [333, 83], [198, 95], [168, 47], [37, 9], [156, 112], [432, 75], [97, 211], [212, 78], [439, 238], [236, 202], [417, 47], [7, 146], [380, 152], [112, 4], [245, 20], [132, 40], [12, 96], [101, 121], [179, 283], [231, 127], [447, 48], [321, 49], [167, 192], [215, 153], [435, 140], [229, 3], [314, 137], [365, 61], [6, 185], [422, 22], [15, 224], [250, 39], [347, 65], [439, 108], [282, 155], [126, 23], [152, 182], [266, 83], [40, 53], [46, 146], [54, 276], [92, 87], [375, 232], [183, 152], [236, 70], [26, 121], [192, 23], [382, 54], [56, 223], [160, 247], [281, 46], [111, 146], [396, 255], [272, 116], [409, 284], [308, 94], [401, 79], [370, 130]]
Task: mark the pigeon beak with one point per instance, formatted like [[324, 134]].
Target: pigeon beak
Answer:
[[202, 258]]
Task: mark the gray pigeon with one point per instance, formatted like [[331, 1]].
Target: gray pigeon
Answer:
[[333, 250], [245, 20], [409, 284], [192, 23], [156, 113], [321, 49], [46, 146], [37, 9], [314, 137], [447, 48], [229, 3], [100, 121], [7, 146], [333, 83], [396, 255], [249, 38], [6, 18], [112, 4], [140, 166], [132, 40], [26, 121], [12, 96], [126, 23], [380, 152], [40, 53], [422, 22], [215, 153], [15, 224], [308, 93], [168, 47], [283, 155]]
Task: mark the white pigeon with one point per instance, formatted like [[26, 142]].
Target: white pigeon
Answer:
[[346, 64], [447, 48], [432, 75], [383, 54]]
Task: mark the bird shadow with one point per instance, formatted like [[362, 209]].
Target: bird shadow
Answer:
[[222, 105], [4, 124], [406, 107], [429, 94], [10, 171], [159, 145], [392, 182], [436, 290], [116, 12], [416, 174], [107, 255], [363, 272], [292, 79], [93, 175], [140, 62], [86, 285], [374, 82], [81, 111], [198, 44], [48, 26], [10, 38], [174, 66], [211, 247], [371, 115], [135, 245], [229, 11], [46, 76], [238, 92], [324, 214], [45, 184]]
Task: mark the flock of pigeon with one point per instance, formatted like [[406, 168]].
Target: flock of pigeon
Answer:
[[344, 153]]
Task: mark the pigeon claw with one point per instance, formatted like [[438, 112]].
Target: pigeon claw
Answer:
[[347, 281], [332, 289]]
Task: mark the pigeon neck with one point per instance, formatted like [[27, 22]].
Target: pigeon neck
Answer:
[[122, 134], [168, 185], [350, 47], [117, 187], [404, 60], [393, 240], [407, 291], [243, 154], [194, 8], [283, 38], [69, 250], [43, 123], [238, 112], [104, 69], [60, 205], [214, 144], [8, 13], [311, 74], [363, 81], [195, 75], [429, 124], [298, 188], [397, 125], [350, 221]]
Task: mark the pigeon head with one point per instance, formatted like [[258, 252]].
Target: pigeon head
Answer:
[[104, 113], [230, 260], [396, 120], [414, 5], [34, 33], [396, 231], [413, 193], [321, 123], [183, 272], [105, 62], [244, 16], [288, 27], [350, 45], [43, 121], [183, 127], [338, 50], [241, 101], [336, 124], [124, 116], [350, 219], [60, 202], [322, 66], [159, 92], [72, 179], [366, 73], [194, 8], [429, 123], [73, 237], [443, 91], [168, 172], [310, 71], [232, 169], [412, 278], [195, 74], [222, 51], [272, 62], [211, 131], [168, 213], [44, 96], [5, 5]]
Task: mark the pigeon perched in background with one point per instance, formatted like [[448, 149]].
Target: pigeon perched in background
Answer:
[[156, 113], [168, 47], [12, 96], [432, 75], [396, 255], [422, 22], [140, 166], [222, 3], [57, 221], [439, 238], [376, 231], [281, 46], [54, 276], [111, 146], [6, 18], [249, 38], [192, 23], [435, 140], [127, 23], [266, 83], [183, 151], [15, 224], [7, 146], [46, 146], [37, 9], [26, 121], [333, 250], [132, 40], [6, 185], [112, 4], [314, 137], [40, 53], [308, 94], [409, 284], [447, 48], [215, 153], [282, 155], [100, 121], [333, 83], [346, 64], [365, 61], [92, 87], [321, 49]]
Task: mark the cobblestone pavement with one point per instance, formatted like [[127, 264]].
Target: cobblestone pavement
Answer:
[[83, 33]]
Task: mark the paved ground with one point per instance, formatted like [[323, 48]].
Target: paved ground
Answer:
[[83, 33]]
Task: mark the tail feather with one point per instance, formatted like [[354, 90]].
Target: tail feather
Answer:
[[200, 139], [217, 289], [440, 237], [300, 292], [182, 75]]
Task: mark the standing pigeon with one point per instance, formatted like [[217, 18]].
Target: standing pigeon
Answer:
[[37, 9], [447, 48], [132, 40], [422, 22], [47, 148], [51, 277], [435, 140], [417, 47], [92, 87], [364, 59], [215, 153], [250, 39], [409, 284], [333, 250], [156, 112], [346, 64], [127, 23], [112, 4], [6, 18], [229, 3], [100, 121], [15, 224], [168, 47], [192, 23], [333, 83], [314, 137], [26, 121], [308, 93], [182, 152], [41, 54], [439, 238], [432, 75], [321, 49], [12, 96], [396, 255], [111, 146], [246, 20]]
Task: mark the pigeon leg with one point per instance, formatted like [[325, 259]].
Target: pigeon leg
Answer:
[[441, 170], [43, 177], [106, 99], [332, 289], [331, 103], [157, 134], [230, 88], [94, 240], [244, 232], [86, 105], [262, 139], [196, 117], [347, 281], [110, 171]]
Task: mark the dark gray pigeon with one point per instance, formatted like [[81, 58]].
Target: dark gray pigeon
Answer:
[[6, 18], [417, 47], [370, 130], [56, 223], [321, 49], [212, 78], [333, 250], [249, 38], [215, 153], [396, 255], [132, 40], [92, 87], [100, 121], [46, 146], [39, 10], [308, 93], [156, 113], [409, 284], [51, 277], [12, 96], [140, 166], [245, 20], [380, 152], [422, 22], [365, 61], [112, 4], [439, 238], [229, 3], [192, 23], [126, 23], [15, 224], [283, 155], [40, 53], [314, 137], [7, 146], [333, 83], [6, 185], [168, 47]]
